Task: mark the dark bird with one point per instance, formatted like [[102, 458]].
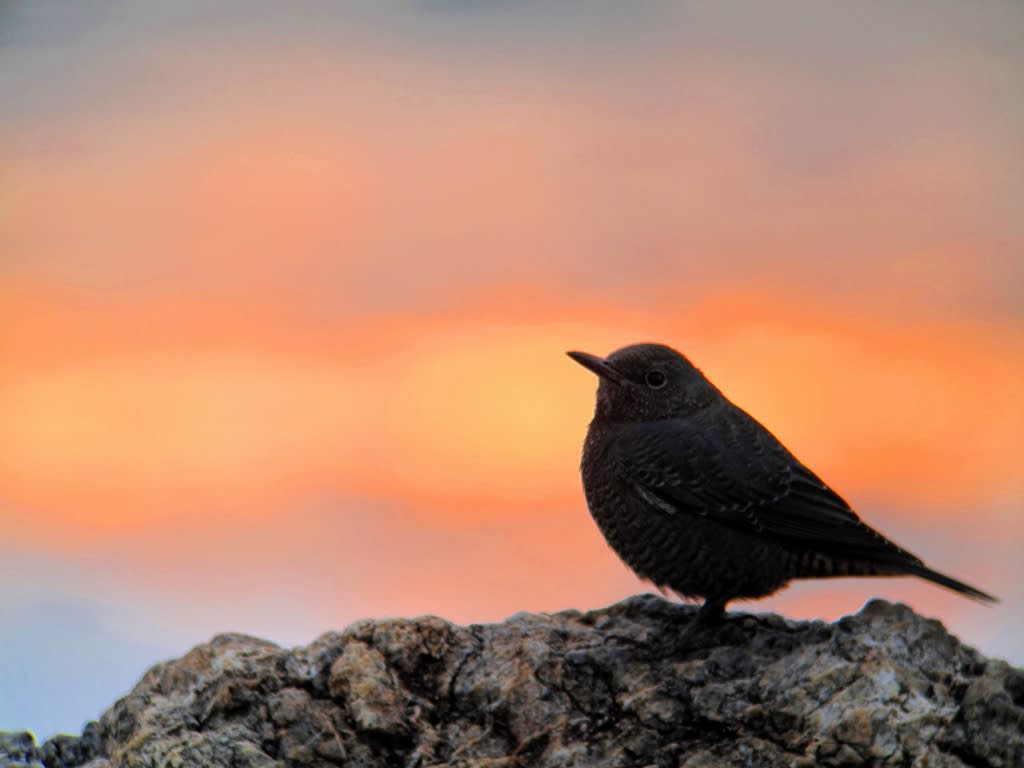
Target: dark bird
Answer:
[[698, 497]]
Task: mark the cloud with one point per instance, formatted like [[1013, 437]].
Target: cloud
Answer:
[[388, 173], [119, 416]]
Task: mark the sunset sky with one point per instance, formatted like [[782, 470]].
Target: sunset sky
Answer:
[[285, 296]]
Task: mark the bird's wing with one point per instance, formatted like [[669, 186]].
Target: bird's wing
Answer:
[[730, 469]]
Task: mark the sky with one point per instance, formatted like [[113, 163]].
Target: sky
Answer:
[[285, 292]]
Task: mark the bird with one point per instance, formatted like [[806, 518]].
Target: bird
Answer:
[[699, 498]]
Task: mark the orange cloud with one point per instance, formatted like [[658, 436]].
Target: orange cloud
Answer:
[[220, 302], [116, 419]]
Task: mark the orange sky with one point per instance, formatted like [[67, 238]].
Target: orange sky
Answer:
[[141, 410], [284, 300]]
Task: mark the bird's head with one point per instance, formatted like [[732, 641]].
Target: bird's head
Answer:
[[646, 382]]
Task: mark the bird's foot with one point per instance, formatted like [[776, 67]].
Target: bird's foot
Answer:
[[711, 626]]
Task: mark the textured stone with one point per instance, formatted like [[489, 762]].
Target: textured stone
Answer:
[[18, 750], [613, 687]]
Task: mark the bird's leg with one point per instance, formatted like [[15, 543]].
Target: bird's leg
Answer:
[[710, 614]]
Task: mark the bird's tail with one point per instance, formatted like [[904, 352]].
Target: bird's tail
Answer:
[[950, 583]]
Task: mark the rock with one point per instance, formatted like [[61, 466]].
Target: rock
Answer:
[[613, 687], [18, 748]]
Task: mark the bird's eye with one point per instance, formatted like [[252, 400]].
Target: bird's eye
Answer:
[[655, 379]]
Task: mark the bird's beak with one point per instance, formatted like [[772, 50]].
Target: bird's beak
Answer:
[[598, 365]]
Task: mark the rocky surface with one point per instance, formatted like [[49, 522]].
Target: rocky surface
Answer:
[[613, 687]]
